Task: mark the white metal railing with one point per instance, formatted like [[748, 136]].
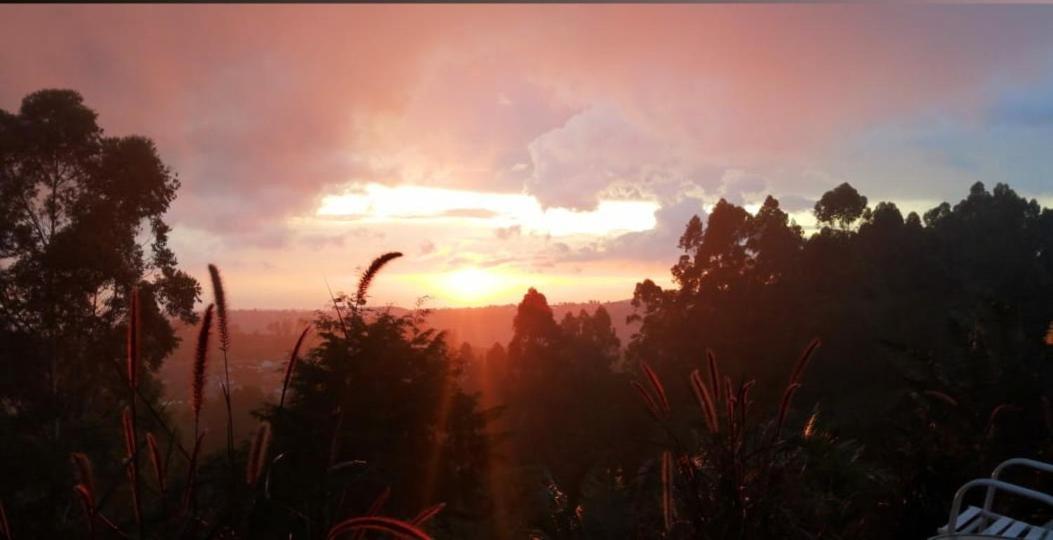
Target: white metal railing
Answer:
[[992, 485], [1015, 462]]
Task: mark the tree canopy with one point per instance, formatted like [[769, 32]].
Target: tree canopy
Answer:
[[81, 225], [842, 205], [955, 307]]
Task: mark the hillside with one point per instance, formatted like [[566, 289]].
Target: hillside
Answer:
[[262, 340]]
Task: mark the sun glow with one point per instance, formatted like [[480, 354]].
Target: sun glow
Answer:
[[475, 285], [472, 285]]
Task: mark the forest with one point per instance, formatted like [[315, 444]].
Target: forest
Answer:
[[839, 384]]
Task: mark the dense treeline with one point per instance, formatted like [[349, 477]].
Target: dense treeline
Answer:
[[933, 326], [834, 385]]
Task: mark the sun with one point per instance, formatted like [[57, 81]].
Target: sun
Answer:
[[471, 285]]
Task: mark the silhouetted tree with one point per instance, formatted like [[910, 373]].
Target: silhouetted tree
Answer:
[[569, 418], [81, 224], [842, 205], [956, 307], [375, 407]]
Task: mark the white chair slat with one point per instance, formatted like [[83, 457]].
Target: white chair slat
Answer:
[[1036, 533], [1015, 529], [971, 527], [998, 526], [972, 522], [967, 515]]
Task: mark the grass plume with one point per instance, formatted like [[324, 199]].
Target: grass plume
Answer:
[[85, 488], [133, 362], [809, 426], [219, 297], [291, 366], [87, 502], [157, 461], [714, 373], [374, 509], [370, 273], [378, 503], [131, 446], [649, 402], [656, 384], [85, 474], [806, 357], [428, 513], [129, 437], [258, 454], [390, 526], [744, 400], [784, 406], [85, 491], [942, 397], [200, 361], [998, 411], [705, 401]]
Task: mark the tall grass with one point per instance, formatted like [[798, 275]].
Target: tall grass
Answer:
[[134, 361], [667, 490], [390, 526], [158, 462], [191, 476], [197, 379], [659, 390], [705, 401], [219, 297], [187, 520], [131, 447], [85, 475], [258, 454], [427, 514], [371, 272], [291, 366], [648, 400], [728, 480], [714, 375], [85, 488]]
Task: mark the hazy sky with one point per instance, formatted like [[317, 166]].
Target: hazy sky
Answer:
[[560, 146]]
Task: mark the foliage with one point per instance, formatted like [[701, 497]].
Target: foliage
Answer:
[[374, 407], [735, 472], [842, 205], [567, 416], [957, 305], [81, 225]]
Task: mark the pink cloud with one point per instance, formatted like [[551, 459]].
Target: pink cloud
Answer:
[[261, 109]]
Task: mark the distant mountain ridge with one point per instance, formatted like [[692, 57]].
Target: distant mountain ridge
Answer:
[[478, 326], [262, 338]]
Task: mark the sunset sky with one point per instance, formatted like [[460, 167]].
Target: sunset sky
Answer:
[[558, 146]]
